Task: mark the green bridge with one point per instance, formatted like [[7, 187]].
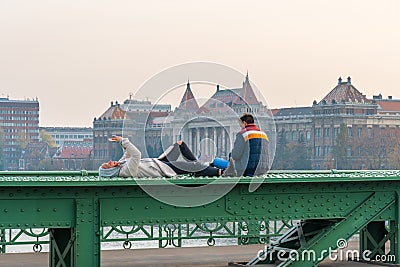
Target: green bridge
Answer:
[[293, 212]]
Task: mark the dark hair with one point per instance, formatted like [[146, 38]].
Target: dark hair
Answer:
[[247, 118]]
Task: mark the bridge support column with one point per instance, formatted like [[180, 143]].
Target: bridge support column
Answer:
[[87, 242], [79, 246]]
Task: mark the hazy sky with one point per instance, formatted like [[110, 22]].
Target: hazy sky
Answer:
[[77, 56]]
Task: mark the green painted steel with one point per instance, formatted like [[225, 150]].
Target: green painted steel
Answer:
[[81, 209]]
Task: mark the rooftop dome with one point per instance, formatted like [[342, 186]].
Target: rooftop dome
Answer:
[[345, 92]]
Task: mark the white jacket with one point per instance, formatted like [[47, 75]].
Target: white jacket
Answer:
[[134, 166]]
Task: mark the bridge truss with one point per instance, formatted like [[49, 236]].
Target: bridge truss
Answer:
[[79, 210]]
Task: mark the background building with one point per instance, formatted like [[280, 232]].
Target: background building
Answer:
[[142, 122], [209, 130], [37, 156], [62, 134], [74, 155], [19, 125], [344, 130]]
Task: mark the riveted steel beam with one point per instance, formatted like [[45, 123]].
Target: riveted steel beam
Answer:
[[82, 203]]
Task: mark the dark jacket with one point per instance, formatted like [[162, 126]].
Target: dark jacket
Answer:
[[250, 151]]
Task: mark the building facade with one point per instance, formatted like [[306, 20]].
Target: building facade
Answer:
[[63, 134], [19, 125], [209, 129], [344, 130], [144, 123], [74, 155]]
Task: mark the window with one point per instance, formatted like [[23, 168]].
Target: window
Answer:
[[336, 131], [350, 131], [294, 136], [359, 133], [348, 151], [370, 112], [327, 150], [369, 132], [317, 151], [287, 136], [327, 132], [308, 135], [317, 132], [301, 136]]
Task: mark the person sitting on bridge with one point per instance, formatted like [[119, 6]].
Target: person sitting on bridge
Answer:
[[250, 150], [167, 165]]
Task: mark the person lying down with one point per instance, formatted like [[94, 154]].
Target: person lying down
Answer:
[[166, 165]]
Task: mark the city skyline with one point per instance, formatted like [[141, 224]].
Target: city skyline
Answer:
[[77, 57]]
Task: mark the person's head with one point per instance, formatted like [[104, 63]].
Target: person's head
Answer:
[[110, 164], [246, 118]]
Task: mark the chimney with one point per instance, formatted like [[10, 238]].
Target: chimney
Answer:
[[217, 87], [349, 80], [112, 103], [340, 80], [390, 97]]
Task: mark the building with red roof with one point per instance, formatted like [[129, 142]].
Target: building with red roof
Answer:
[[368, 127], [209, 130], [74, 155]]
